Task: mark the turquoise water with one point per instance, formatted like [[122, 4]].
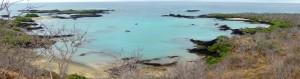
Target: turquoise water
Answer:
[[157, 36]]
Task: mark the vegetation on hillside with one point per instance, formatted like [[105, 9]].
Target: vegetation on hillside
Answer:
[[32, 15], [70, 11], [280, 21], [265, 53], [19, 20], [222, 48]]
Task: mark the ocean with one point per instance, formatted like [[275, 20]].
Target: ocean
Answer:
[[153, 36]]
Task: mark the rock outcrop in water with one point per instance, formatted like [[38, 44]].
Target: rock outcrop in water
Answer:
[[71, 11], [180, 16], [224, 28], [75, 16], [192, 10]]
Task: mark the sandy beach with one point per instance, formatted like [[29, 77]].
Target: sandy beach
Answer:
[[41, 18], [237, 19], [81, 69]]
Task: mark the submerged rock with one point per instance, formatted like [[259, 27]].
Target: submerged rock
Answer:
[[82, 54], [216, 24], [193, 24], [127, 30]]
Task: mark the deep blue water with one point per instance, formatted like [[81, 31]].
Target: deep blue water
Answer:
[[157, 36]]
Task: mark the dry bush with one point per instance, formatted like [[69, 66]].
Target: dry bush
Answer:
[[273, 55]]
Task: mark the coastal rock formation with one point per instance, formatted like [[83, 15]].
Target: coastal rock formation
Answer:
[[202, 51], [25, 24], [164, 61], [71, 11], [180, 16], [224, 28], [192, 10], [52, 36], [34, 28], [74, 16], [61, 17], [237, 32]]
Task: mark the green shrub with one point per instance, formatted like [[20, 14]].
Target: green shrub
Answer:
[[222, 48], [210, 60], [223, 16], [16, 28], [76, 76], [279, 24], [14, 38], [32, 15], [24, 19], [249, 30], [18, 21]]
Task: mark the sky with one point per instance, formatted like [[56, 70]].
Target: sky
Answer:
[[256, 1]]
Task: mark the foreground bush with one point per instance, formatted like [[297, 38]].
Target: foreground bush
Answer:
[[76, 76]]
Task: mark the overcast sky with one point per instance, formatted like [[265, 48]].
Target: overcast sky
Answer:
[[259, 1]]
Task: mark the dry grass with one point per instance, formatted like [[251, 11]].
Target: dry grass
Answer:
[[272, 55]]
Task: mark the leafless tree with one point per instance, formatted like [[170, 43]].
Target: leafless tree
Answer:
[[65, 50]]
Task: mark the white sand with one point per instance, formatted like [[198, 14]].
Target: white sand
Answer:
[[42, 17], [237, 19]]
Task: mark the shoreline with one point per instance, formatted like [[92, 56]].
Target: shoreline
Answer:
[[74, 67], [42, 18]]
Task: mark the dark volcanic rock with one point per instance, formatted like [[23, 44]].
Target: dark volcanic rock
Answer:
[[52, 36], [82, 54], [192, 10], [25, 24], [180, 16], [224, 28], [192, 24], [204, 43], [173, 56], [203, 51], [127, 30], [203, 16], [34, 28], [84, 15], [216, 24], [237, 32], [164, 61]]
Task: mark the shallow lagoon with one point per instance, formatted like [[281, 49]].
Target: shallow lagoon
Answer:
[[157, 36]]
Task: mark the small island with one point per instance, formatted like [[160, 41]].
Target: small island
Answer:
[[71, 14]]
